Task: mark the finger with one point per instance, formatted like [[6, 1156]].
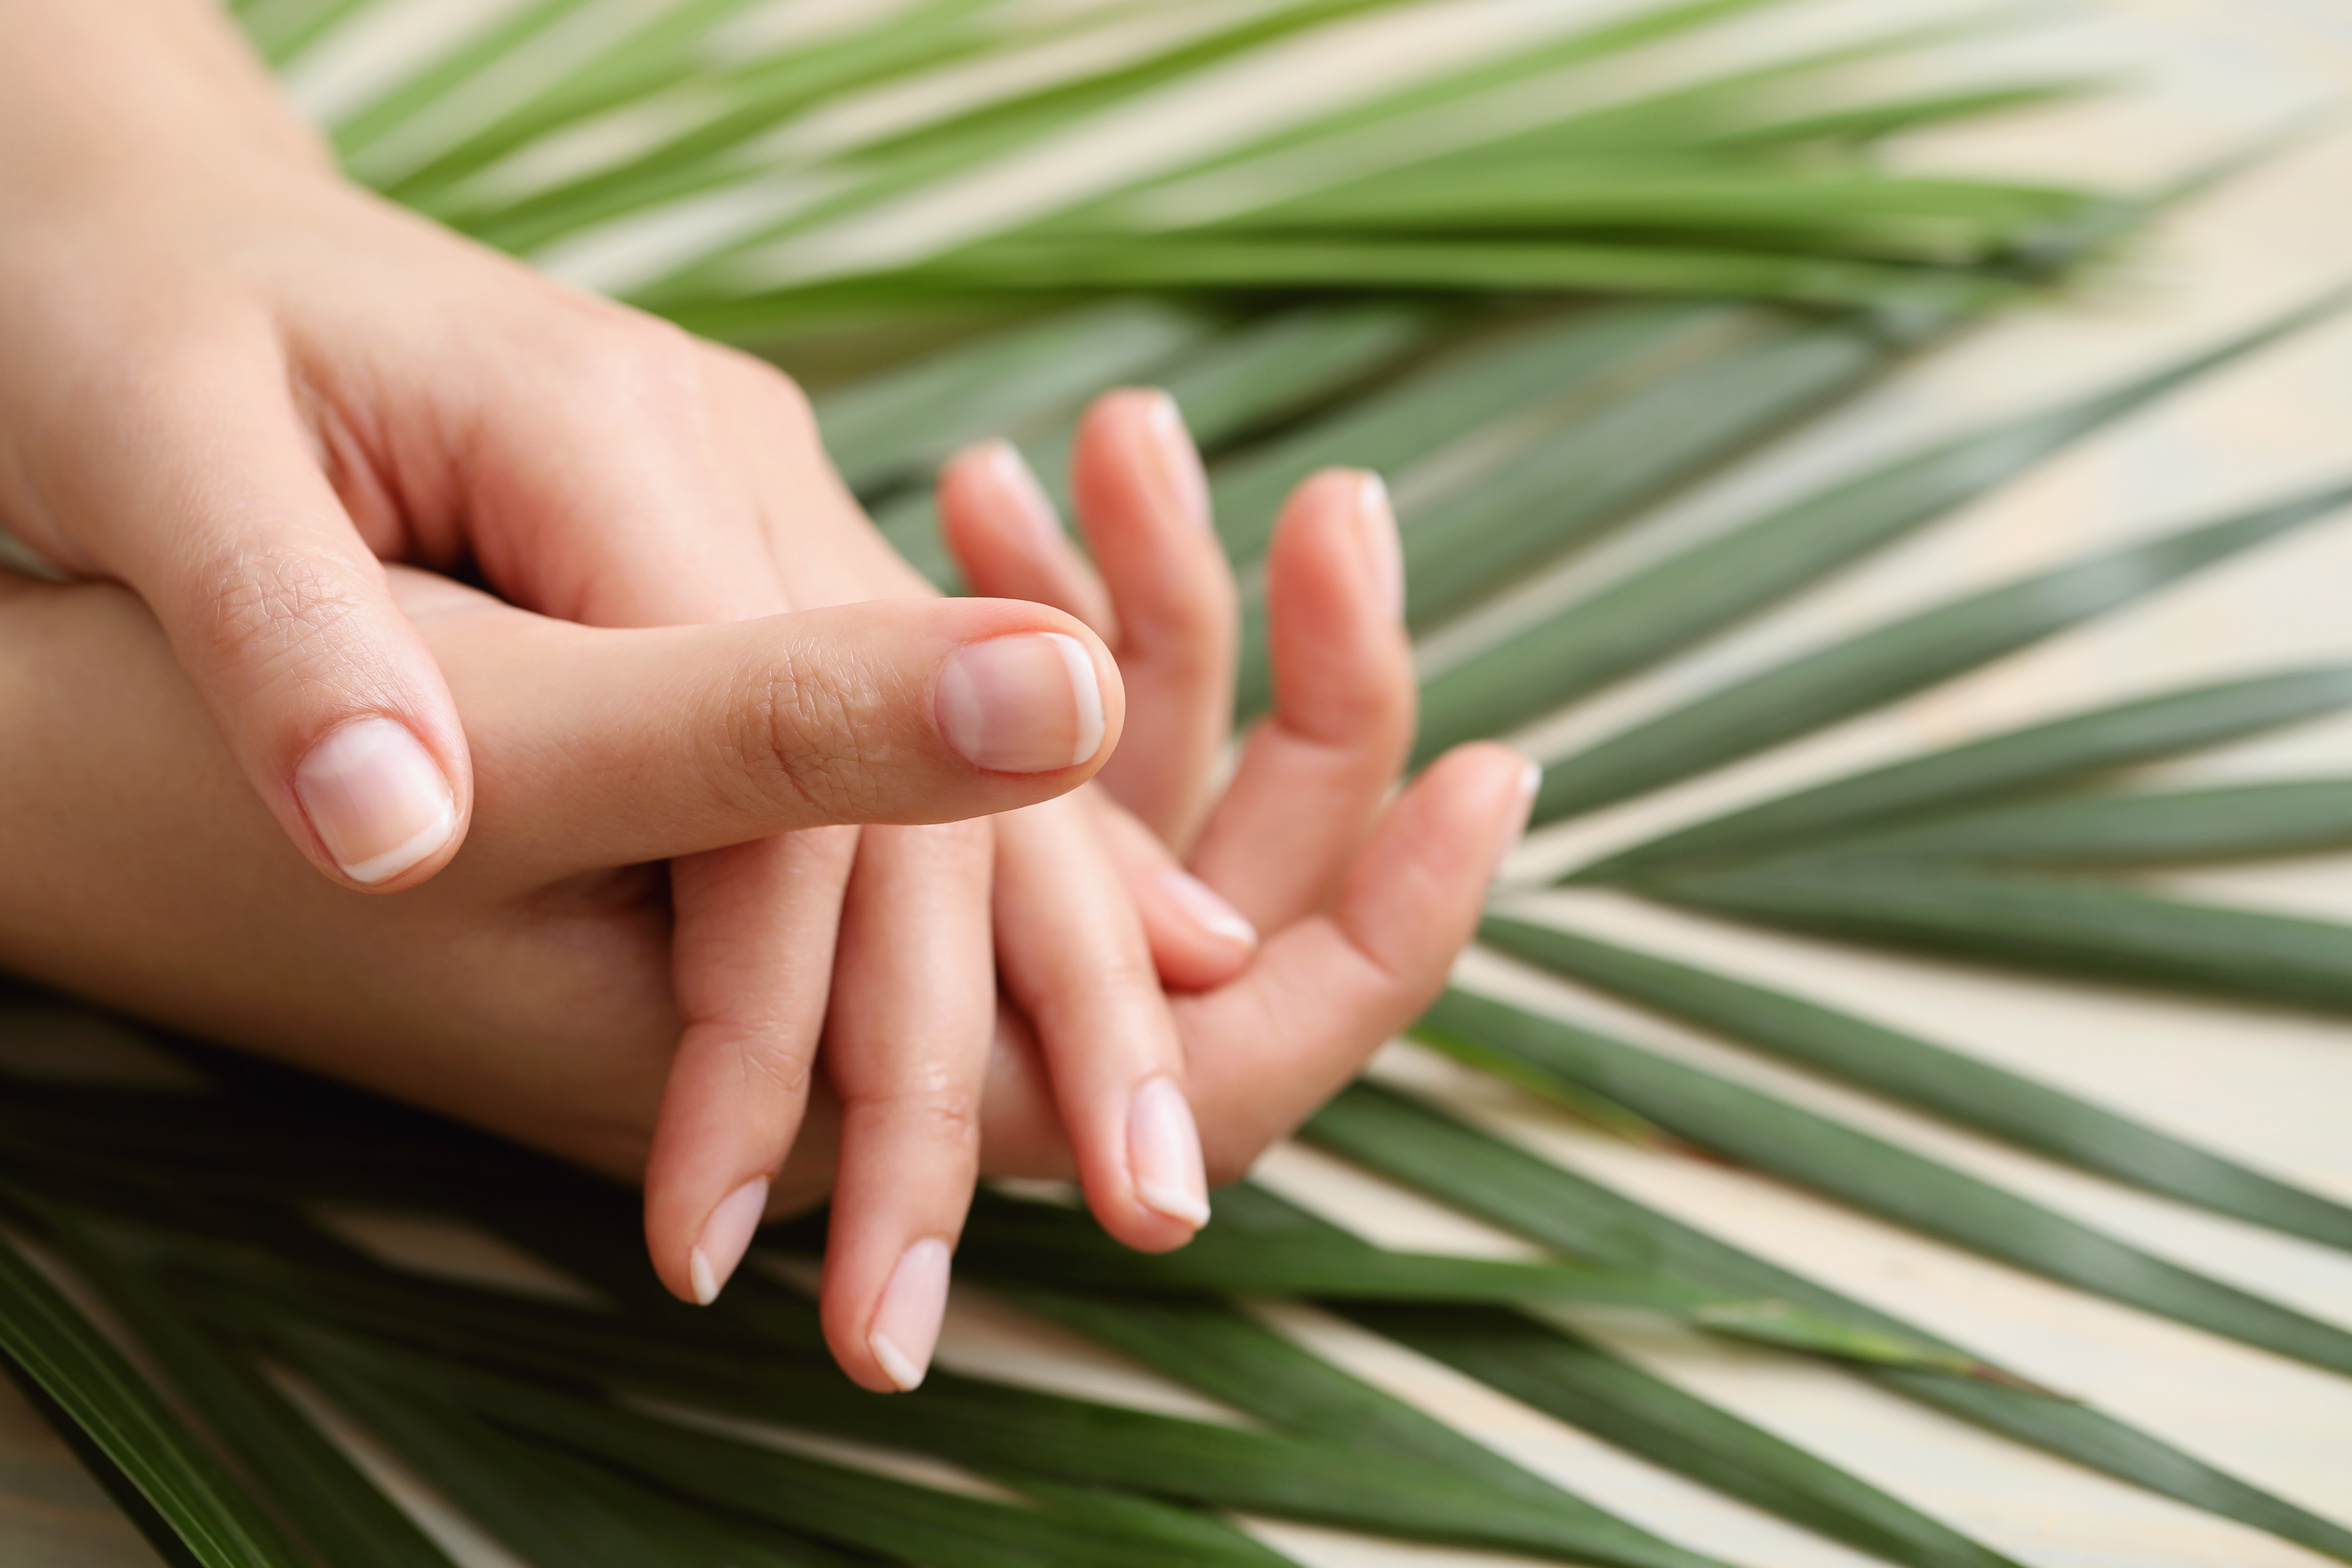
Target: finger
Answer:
[[1326, 991], [1142, 502], [679, 740], [751, 971], [1198, 941], [1314, 773], [338, 717], [1001, 529], [905, 1049], [1073, 955]]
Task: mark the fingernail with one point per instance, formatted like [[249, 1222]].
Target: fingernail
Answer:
[[1383, 552], [1022, 491], [1516, 827], [1179, 460], [725, 1236], [1021, 704], [1163, 1154], [1212, 913], [376, 797], [907, 1321]]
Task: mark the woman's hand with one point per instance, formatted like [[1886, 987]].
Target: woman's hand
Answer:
[[236, 384], [529, 989]]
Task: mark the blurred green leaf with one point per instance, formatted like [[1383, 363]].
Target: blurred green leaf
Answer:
[[1942, 1082], [1441, 1156], [2059, 751], [1661, 610], [1872, 668]]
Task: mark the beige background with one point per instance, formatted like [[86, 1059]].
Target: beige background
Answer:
[[2273, 1089]]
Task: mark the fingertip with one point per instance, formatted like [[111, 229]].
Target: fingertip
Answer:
[[993, 479], [1135, 461], [1164, 1161], [1026, 702], [904, 1331], [1380, 549], [724, 1238], [1005, 533]]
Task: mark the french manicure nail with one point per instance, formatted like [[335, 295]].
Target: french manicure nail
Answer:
[[907, 1319], [1180, 459], [725, 1236], [376, 797], [1163, 1154], [1027, 497], [1201, 901], [1383, 552], [1531, 781], [1021, 704]]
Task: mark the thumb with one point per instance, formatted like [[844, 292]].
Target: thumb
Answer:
[[601, 748], [283, 617]]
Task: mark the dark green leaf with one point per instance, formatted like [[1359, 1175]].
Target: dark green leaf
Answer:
[[1879, 1177], [1439, 1155], [1935, 1079], [1868, 670], [2239, 821], [2073, 928], [2017, 761], [1575, 1381], [1669, 606], [1230, 1357], [61, 1349]]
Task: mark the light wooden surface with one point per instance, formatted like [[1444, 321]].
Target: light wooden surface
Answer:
[[2272, 1089]]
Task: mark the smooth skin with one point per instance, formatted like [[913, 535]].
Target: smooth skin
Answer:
[[238, 386], [530, 988]]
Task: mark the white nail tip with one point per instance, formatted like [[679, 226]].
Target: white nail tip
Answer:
[[1530, 780], [1210, 912], [705, 1287], [903, 1374], [1173, 1202], [1085, 692], [1232, 928], [402, 856]]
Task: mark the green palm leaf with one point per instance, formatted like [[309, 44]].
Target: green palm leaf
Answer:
[[2043, 756], [2076, 928], [1664, 609], [59, 1349], [1224, 1354], [1872, 668], [2237, 823], [1931, 1077], [1440, 1155], [1870, 1174]]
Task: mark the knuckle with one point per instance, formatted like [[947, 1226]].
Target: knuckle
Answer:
[[762, 1065], [799, 740], [771, 391], [637, 372], [276, 617], [928, 1110]]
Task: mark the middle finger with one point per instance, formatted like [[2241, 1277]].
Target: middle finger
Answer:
[[905, 1048]]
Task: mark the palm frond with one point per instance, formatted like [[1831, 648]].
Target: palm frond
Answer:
[[1938, 1080], [1426, 1149]]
